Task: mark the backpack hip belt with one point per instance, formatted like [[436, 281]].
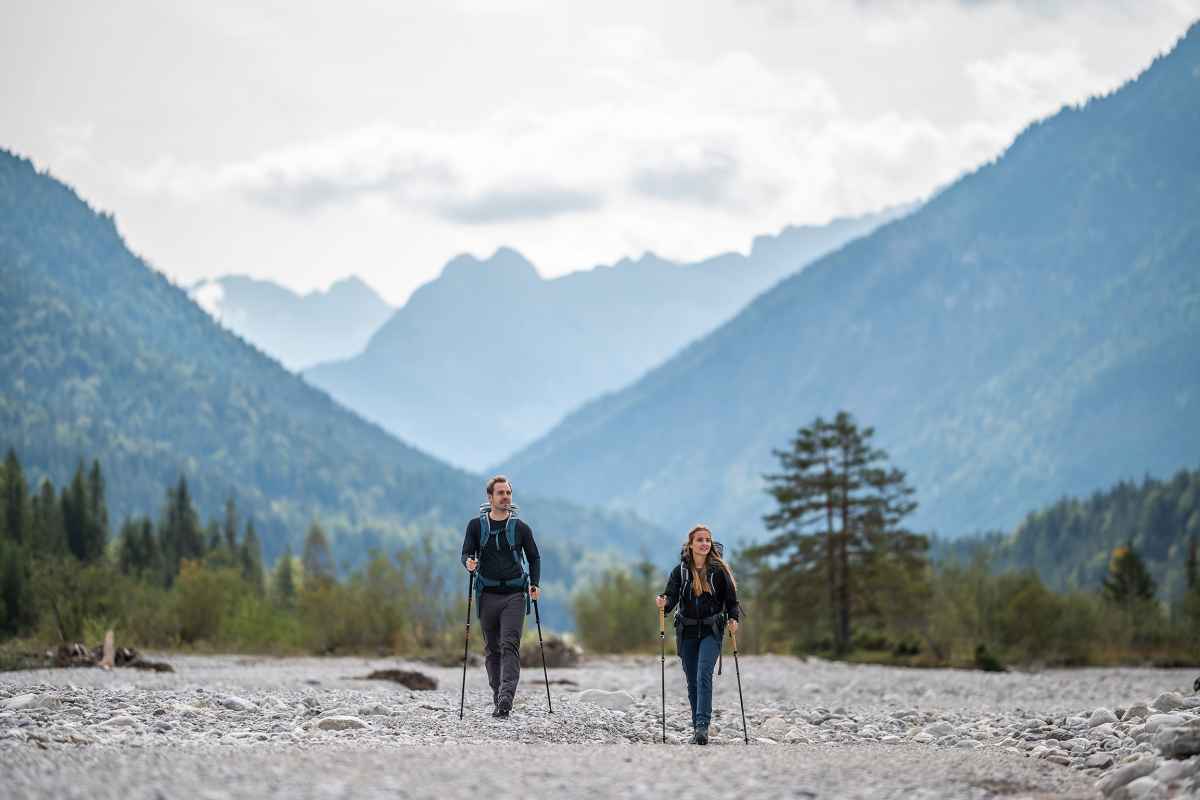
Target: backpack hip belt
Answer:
[[510, 534], [715, 621]]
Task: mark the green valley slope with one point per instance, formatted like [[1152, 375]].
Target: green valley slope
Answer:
[[1032, 331]]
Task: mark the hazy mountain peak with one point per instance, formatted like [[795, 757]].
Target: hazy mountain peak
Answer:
[[506, 264]]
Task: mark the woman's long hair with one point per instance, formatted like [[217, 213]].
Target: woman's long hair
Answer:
[[700, 583]]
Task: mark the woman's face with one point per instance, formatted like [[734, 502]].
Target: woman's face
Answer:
[[701, 544]]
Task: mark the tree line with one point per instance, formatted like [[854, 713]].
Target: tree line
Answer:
[[176, 581], [841, 575]]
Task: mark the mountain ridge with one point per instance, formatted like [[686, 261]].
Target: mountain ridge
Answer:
[[561, 340], [975, 334]]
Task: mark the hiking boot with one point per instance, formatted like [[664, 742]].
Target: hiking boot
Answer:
[[502, 709], [701, 736]]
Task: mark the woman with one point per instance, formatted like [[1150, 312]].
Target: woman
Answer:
[[706, 594]]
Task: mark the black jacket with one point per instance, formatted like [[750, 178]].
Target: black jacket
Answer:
[[722, 598], [496, 562]]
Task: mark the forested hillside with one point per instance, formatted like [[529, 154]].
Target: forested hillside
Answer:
[[105, 359], [1071, 542], [1031, 332]]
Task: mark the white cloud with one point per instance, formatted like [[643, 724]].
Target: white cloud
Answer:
[[1022, 86]]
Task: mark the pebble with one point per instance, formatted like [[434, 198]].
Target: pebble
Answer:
[[1096, 721], [1167, 701]]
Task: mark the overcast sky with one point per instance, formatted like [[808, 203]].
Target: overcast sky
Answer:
[[382, 138]]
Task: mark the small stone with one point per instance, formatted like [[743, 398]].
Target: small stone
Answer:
[[775, 725], [121, 721], [940, 729], [1101, 716], [599, 697], [924, 738], [341, 723], [235, 703], [1076, 745], [1179, 741], [1061, 760], [890, 740], [376, 710], [1138, 711], [1101, 760], [1167, 701], [1144, 787], [1157, 721], [1170, 771], [1123, 775]]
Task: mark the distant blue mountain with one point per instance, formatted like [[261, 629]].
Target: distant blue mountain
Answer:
[[1033, 331], [106, 359], [489, 356], [299, 330]]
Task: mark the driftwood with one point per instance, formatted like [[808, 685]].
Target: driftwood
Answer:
[[106, 660], [77, 655], [417, 681]]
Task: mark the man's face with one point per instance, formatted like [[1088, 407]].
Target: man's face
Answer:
[[501, 496]]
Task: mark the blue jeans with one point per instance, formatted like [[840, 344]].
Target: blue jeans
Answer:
[[699, 657]]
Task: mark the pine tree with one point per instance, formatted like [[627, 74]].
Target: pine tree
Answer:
[[17, 610], [15, 520], [181, 537], [230, 528], [1191, 565], [317, 559], [97, 532], [1128, 581], [215, 542], [49, 537], [75, 507], [250, 556], [839, 507], [130, 558], [151, 552], [283, 581]]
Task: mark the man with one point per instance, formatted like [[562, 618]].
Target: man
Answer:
[[496, 543]]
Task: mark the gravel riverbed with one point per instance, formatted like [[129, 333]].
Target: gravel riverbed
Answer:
[[235, 726]]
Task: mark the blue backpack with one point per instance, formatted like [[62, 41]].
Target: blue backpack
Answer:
[[486, 537]]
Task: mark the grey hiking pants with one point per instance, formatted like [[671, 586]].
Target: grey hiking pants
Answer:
[[502, 618]]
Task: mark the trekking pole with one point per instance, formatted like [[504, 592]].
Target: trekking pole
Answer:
[[662, 658], [467, 640], [737, 669], [538, 619]]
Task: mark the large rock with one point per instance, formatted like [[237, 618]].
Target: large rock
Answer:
[[559, 653], [1181, 741], [616, 700]]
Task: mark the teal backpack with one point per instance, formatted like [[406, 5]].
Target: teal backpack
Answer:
[[486, 535]]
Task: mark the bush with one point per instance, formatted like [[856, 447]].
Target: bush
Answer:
[[204, 599], [616, 613]]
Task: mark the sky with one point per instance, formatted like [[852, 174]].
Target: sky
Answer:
[[303, 143]]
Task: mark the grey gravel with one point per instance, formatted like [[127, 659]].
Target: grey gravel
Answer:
[[227, 726]]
